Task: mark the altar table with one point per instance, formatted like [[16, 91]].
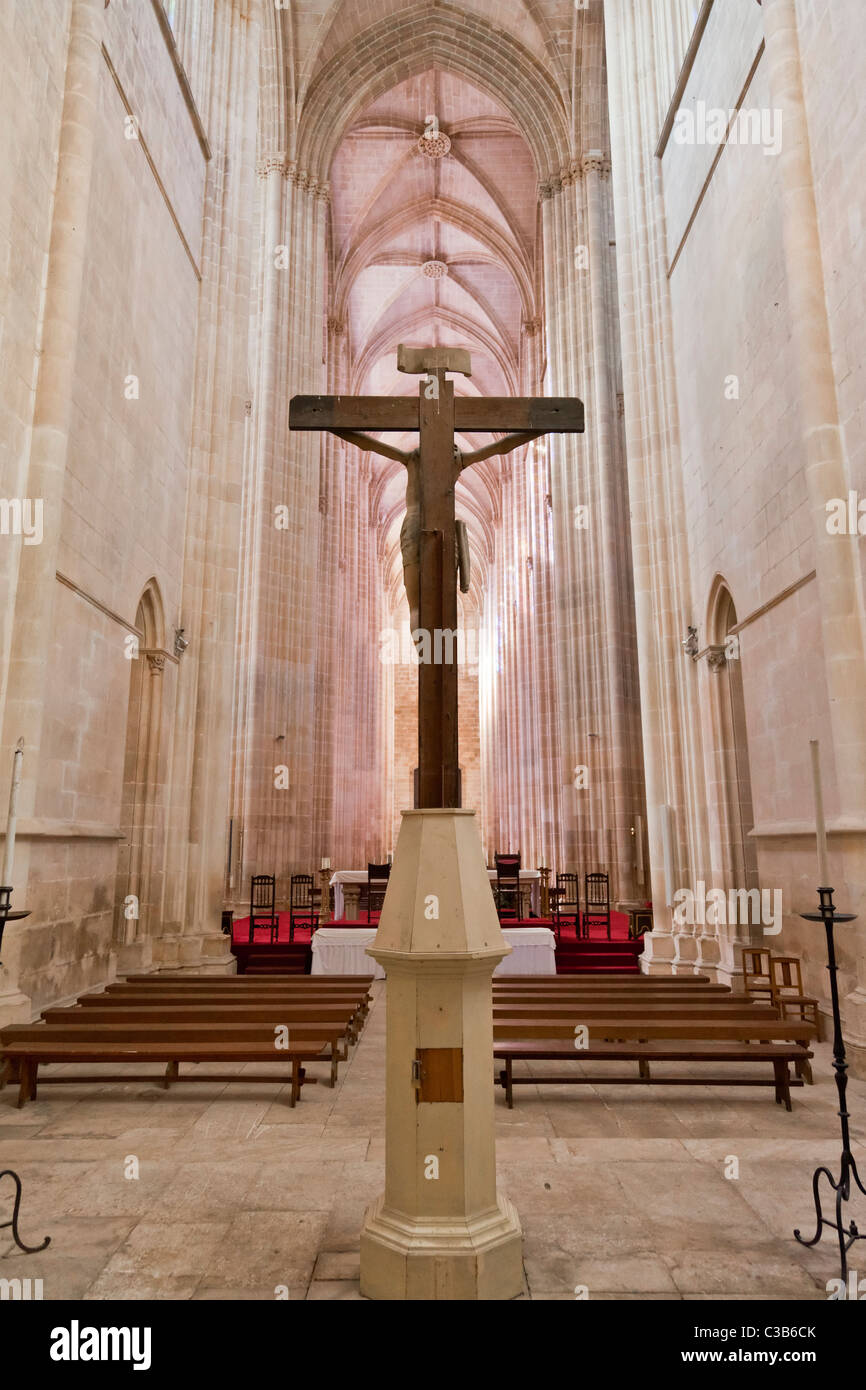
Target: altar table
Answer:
[[342, 951]]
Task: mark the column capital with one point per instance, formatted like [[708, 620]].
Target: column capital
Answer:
[[269, 163], [548, 189], [571, 174], [596, 162]]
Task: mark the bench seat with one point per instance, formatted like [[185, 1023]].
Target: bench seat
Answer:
[[29, 1055], [778, 1055]]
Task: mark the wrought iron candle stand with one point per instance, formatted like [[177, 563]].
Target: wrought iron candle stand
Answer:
[[7, 915], [847, 1235]]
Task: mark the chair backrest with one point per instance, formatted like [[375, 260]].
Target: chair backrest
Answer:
[[263, 893], [378, 876], [568, 891], [785, 975], [756, 970], [507, 868], [300, 890], [597, 888]]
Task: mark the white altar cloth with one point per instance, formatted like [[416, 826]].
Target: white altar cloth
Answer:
[[342, 951]]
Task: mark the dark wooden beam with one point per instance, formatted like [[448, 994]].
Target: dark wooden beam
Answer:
[[517, 414], [479, 414], [353, 413]]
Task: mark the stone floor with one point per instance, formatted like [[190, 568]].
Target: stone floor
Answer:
[[622, 1191]]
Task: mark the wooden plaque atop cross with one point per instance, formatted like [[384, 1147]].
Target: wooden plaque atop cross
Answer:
[[430, 549]]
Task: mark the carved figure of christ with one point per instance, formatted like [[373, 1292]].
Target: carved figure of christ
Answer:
[[428, 536]]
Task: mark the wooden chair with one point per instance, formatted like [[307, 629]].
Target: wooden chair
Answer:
[[597, 897], [786, 982], [263, 911], [378, 876], [757, 979], [304, 902], [507, 890], [566, 899]]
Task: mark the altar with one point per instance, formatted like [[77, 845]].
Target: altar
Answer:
[[343, 951]]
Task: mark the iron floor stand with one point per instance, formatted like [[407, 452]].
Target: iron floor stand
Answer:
[[848, 1168]]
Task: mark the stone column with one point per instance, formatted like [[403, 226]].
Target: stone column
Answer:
[[621, 805], [279, 673], [593, 628], [197, 836], [836, 557], [33, 626], [645, 45]]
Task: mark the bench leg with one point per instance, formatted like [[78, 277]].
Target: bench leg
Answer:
[[297, 1081], [509, 1089], [783, 1087], [27, 1088], [5, 1072], [335, 1061], [171, 1074], [802, 1066], [643, 1068]]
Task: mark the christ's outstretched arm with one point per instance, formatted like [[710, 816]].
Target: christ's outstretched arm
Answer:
[[499, 446], [368, 445]]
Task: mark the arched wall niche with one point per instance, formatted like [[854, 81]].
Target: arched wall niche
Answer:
[[739, 860], [135, 896]]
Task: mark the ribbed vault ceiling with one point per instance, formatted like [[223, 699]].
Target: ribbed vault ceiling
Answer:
[[434, 250]]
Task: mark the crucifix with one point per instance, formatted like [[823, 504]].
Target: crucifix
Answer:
[[430, 531]]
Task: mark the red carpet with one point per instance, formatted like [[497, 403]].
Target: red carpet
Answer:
[[301, 935], [574, 956]]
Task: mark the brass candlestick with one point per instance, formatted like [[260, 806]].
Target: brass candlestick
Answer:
[[545, 890], [325, 907]]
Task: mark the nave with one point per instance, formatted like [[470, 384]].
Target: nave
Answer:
[[622, 1191]]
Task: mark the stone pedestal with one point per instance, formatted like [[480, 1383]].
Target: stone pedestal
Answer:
[[440, 1230], [351, 899]]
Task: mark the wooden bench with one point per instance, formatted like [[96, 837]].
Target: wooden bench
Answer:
[[714, 1027], [605, 976], [339, 1025], [779, 1055], [569, 984], [358, 1002], [241, 980], [29, 1055], [86, 1026], [246, 981]]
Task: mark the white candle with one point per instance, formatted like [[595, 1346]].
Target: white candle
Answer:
[[326, 863], [11, 819], [820, 827]]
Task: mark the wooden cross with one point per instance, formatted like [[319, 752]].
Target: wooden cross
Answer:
[[436, 415]]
